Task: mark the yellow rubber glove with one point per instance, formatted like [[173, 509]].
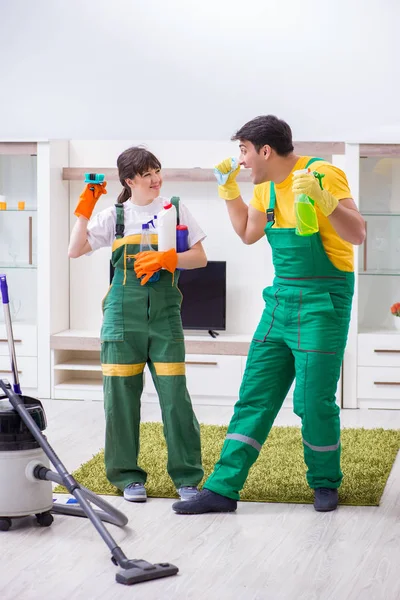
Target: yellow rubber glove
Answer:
[[88, 199], [147, 263], [307, 183], [226, 172]]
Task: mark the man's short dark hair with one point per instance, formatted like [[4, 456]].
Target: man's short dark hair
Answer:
[[267, 130]]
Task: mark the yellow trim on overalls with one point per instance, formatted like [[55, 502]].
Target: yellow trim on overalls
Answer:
[[168, 369], [122, 370], [133, 239]]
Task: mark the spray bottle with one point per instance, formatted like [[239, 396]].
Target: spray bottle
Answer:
[[145, 246], [306, 216]]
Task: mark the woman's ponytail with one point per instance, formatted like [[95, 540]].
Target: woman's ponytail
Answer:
[[124, 195]]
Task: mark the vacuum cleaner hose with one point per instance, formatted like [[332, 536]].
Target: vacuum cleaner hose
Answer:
[[108, 513]]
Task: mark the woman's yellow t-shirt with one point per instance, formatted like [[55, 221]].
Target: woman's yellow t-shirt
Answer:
[[338, 250]]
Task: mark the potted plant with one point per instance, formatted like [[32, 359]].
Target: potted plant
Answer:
[[395, 310]]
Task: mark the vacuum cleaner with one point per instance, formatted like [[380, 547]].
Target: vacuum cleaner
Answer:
[[26, 477]]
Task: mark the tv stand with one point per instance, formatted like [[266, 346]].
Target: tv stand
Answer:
[[213, 334]]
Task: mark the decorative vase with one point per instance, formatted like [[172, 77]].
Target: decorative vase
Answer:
[[397, 323]]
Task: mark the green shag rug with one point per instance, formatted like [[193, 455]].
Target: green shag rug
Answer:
[[279, 473]]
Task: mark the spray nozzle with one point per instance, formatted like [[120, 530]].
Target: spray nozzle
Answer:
[[151, 222], [319, 176]]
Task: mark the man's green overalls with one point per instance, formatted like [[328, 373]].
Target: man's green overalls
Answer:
[[142, 324], [302, 334]]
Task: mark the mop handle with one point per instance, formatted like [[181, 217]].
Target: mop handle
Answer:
[[10, 337]]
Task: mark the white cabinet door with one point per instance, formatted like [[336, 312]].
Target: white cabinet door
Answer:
[[378, 387], [25, 340], [27, 371], [208, 375]]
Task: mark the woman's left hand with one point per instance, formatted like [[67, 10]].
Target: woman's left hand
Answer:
[[147, 263]]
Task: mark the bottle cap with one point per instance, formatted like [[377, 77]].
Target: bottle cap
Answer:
[[300, 171]]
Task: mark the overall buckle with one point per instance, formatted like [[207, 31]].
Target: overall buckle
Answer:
[[270, 215], [119, 229]]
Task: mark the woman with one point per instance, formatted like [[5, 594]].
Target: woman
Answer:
[[142, 324]]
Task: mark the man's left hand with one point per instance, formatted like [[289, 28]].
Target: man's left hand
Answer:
[[307, 183]]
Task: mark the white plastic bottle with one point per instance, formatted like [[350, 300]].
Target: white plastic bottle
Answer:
[[166, 226]]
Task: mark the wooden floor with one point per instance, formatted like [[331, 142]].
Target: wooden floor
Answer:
[[263, 551]]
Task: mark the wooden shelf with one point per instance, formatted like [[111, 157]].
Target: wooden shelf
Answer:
[[196, 174], [79, 364], [12, 148], [379, 150], [79, 383], [78, 340]]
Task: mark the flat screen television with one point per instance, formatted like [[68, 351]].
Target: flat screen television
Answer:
[[204, 297]]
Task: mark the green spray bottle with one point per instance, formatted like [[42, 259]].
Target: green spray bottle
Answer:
[[306, 216]]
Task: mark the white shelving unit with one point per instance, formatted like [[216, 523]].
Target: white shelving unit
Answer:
[[33, 256], [372, 361]]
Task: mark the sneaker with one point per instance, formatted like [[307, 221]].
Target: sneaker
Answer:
[[205, 501], [187, 492], [135, 492], [325, 499]]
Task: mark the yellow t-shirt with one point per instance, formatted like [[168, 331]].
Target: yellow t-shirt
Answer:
[[338, 250]]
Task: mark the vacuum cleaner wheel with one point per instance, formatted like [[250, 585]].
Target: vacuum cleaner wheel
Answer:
[[44, 519], [5, 523]]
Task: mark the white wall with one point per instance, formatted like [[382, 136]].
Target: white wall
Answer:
[[176, 69], [248, 267]]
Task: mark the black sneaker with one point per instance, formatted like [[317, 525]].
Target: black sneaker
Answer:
[[205, 501], [325, 499]]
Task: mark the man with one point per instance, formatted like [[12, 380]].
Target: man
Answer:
[[303, 329]]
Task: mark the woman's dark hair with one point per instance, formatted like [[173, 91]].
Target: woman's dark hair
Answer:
[[134, 161], [267, 130]]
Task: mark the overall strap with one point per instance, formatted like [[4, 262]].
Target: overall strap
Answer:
[[272, 196], [175, 202], [120, 226], [313, 160]]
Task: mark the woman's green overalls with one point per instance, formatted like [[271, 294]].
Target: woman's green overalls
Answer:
[[142, 324]]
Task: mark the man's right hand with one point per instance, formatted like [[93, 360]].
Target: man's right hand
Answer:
[[88, 199], [226, 172]]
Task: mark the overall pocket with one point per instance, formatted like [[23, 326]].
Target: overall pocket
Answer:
[[318, 323], [112, 329]]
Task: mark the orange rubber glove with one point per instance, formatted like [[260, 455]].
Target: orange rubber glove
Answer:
[[147, 263], [88, 199]]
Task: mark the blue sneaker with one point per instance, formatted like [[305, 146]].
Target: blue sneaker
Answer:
[[187, 492], [135, 492], [325, 499], [205, 501]]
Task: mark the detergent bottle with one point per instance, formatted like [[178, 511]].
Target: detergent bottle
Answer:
[[182, 241], [182, 234], [166, 226], [306, 216], [145, 246]]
